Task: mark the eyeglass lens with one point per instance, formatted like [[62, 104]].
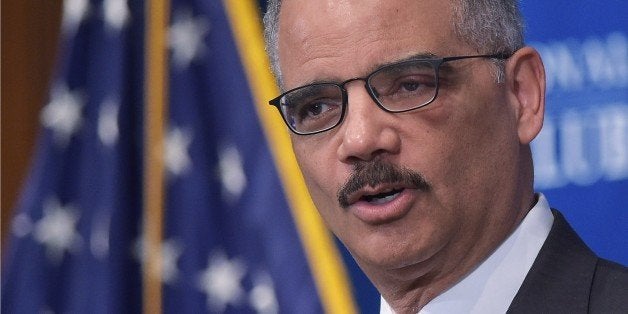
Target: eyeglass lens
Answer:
[[398, 87]]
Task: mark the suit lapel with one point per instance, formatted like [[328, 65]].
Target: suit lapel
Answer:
[[560, 278]]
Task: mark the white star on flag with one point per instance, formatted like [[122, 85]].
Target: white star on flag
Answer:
[[74, 12], [262, 297], [57, 230], [108, 122], [21, 225], [170, 252], [63, 114], [186, 38], [221, 281], [232, 174], [116, 14], [177, 157]]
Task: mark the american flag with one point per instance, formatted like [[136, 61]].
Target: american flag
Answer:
[[230, 242]]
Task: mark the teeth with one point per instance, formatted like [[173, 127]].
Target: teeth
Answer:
[[383, 200], [383, 197]]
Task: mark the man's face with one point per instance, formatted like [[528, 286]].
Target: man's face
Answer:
[[426, 186]]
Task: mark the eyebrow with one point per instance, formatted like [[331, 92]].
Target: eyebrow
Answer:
[[417, 56], [374, 67]]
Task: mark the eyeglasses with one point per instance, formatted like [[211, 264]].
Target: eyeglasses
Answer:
[[397, 87]]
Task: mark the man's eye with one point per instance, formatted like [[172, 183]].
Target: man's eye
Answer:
[[404, 86], [313, 110], [410, 86]]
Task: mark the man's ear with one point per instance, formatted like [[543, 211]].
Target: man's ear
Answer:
[[525, 77]]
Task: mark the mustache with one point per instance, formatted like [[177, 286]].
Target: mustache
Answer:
[[379, 172]]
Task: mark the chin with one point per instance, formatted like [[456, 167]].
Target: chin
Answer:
[[389, 254]]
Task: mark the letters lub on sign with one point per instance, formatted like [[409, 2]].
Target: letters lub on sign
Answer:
[[585, 134]]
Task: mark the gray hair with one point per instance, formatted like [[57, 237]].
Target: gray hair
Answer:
[[490, 26]]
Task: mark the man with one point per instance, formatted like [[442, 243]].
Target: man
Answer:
[[411, 122]]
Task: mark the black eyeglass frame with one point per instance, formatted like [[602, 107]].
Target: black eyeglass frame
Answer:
[[434, 62]]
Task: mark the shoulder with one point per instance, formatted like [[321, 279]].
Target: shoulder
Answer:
[[611, 272], [609, 291], [567, 277]]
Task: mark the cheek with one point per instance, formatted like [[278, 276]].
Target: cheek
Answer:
[[312, 156], [474, 149], [320, 176], [461, 139]]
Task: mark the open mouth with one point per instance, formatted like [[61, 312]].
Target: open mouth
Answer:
[[381, 198], [383, 204]]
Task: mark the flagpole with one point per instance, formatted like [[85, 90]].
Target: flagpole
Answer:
[[155, 108]]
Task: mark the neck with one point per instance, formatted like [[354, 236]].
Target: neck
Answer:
[[429, 279]]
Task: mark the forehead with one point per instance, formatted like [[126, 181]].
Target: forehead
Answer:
[[335, 40]]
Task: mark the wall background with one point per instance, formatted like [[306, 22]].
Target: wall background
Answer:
[[29, 37], [581, 156]]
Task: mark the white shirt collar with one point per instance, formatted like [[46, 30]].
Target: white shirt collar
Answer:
[[492, 286]]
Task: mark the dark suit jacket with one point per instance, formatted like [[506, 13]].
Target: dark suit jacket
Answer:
[[567, 277]]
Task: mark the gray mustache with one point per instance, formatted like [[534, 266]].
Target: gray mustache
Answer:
[[379, 172]]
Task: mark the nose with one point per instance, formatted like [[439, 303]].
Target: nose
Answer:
[[367, 131]]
